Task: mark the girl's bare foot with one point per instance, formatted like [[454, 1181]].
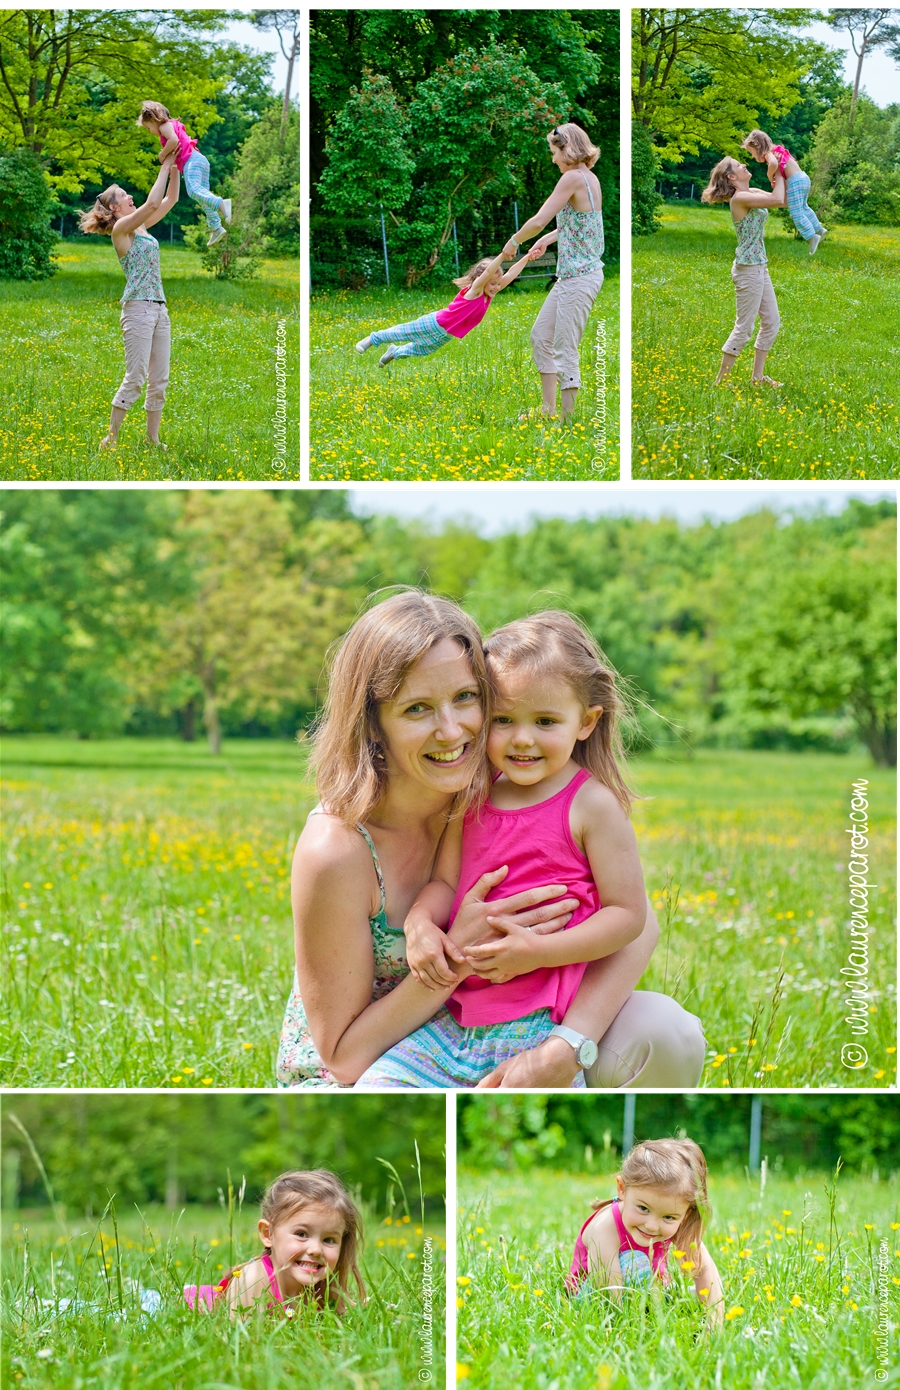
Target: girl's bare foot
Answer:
[[766, 381]]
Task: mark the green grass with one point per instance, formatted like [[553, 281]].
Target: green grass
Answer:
[[838, 414], [453, 415], [65, 362], [148, 937], [512, 1335], [110, 1345]]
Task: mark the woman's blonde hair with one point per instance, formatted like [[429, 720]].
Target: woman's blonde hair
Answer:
[[152, 111], [721, 187], [677, 1167], [318, 1187], [101, 218], [574, 143], [367, 668], [757, 142], [471, 275], [555, 643]]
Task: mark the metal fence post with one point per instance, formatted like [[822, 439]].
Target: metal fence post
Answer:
[[387, 269], [516, 214], [455, 249], [628, 1123], [755, 1133]]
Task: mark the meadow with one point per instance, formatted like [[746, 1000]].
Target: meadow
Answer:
[[73, 1318], [838, 412], [148, 938], [799, 1267], [454, 416], [65, 361]]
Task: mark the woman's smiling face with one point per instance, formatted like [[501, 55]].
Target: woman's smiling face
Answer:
[[431, 728]]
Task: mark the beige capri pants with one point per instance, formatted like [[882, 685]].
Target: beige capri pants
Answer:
[[652, 1041], [148, 337], [755, 296], [559, 327]]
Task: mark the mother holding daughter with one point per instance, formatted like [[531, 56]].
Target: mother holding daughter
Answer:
[[416, 828]]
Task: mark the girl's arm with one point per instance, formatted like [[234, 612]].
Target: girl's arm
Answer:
[[609, 842], [167, 131], [558, 199], [519, 267], [709, 1287], [602, 1244], [477, 286], [758, 198], [154, 198], [172, 195], [429, 952]]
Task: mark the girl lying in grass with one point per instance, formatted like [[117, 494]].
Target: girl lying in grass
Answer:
[[477, 289], [310, 1230], [662, 1205]]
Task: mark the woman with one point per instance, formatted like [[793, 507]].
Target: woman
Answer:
[[729, 183], [144, 319], [576, 203], [399, 750]]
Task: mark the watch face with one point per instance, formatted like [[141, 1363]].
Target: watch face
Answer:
[[587, 1052]]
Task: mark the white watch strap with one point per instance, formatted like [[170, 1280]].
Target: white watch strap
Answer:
[[571, 1037]]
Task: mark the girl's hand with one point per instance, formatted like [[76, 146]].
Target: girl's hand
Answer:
[[539, 247], [513, 953], [471, 924], [431, 956]]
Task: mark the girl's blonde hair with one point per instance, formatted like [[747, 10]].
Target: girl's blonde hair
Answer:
[[721, 187], [318, 1187], [555, 643], [677, 1167], [757, 142], [471, 275], [101, 218], [574, 143], [152, 111], [367, 668]]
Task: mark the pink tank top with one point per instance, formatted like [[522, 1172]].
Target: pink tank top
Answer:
[[536, 842], [783, 157], [207, 1293], [186, 146], [638, 1263], [460, 317]]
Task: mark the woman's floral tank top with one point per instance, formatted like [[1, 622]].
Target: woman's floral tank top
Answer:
[[141, 267], [299, 1064], [580, 245], [751, 249]]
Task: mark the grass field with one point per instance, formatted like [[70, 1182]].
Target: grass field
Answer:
[[838, 414], [148, 938], [801, 1293], [100, 1338], [455, 415], [65, 362]]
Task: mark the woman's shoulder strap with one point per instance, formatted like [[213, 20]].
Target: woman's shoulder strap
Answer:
[[371, 843], [587, 184]]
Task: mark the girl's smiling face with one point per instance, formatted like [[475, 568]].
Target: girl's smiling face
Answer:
[[304, 1246], [536, 724], [650, 1213], [431, 728]]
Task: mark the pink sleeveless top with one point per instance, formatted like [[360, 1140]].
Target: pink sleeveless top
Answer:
[[537, 844], [460, 317], [207, 1293], [783, 157], [186, 146], [638, 1263]]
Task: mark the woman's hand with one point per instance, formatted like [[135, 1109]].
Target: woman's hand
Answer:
[[510, 250], [552, 1064], [471, 925]]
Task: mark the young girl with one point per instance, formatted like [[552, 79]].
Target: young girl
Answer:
[[195, 166], [662, 1205], [477, 289], [310, 1230], [557, 810], [778, 160]]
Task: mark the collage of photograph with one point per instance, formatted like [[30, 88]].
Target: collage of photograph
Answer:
[[406, 694]]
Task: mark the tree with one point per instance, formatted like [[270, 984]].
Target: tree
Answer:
[[854, 165], [868, 29], [701, 77], [469, 131], [72, 81], [26, 238], [267, 185], [644, 172], [284, 23]]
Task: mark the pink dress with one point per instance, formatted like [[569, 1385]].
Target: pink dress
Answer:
[[639, 1263], [208, 1293], [783, 157], [462, 315], [536, 842], [186, 146]]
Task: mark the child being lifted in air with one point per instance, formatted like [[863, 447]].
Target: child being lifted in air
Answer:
[[189, 162], [779, 160], [477, 289]]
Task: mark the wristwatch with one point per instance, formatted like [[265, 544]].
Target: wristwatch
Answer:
[[586, 1050]]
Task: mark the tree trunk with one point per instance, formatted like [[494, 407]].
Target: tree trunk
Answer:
[[287, 87], [211, 711], [859, 67], [187, 722]]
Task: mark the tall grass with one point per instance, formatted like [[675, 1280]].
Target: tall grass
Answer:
[[149, 937], [838, 414], [454, 415], [799, 1262], [65, 361]]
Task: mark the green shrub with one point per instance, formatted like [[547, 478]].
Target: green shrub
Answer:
[[644, 171], [26, 203]]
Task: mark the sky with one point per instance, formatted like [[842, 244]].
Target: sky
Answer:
[[240, 31], [880, 75], [502, 508]]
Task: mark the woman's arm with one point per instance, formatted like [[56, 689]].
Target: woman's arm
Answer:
[[518, 268], [126, 225], [172, 195], [558, 198], [758, 198]]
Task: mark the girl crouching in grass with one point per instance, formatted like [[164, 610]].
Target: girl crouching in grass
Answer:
[[311, 1231], [662, 1204], [421, 337]]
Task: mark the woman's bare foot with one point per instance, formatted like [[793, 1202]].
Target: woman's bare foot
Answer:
[[108, 442], [156, 443], [766, 381]]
